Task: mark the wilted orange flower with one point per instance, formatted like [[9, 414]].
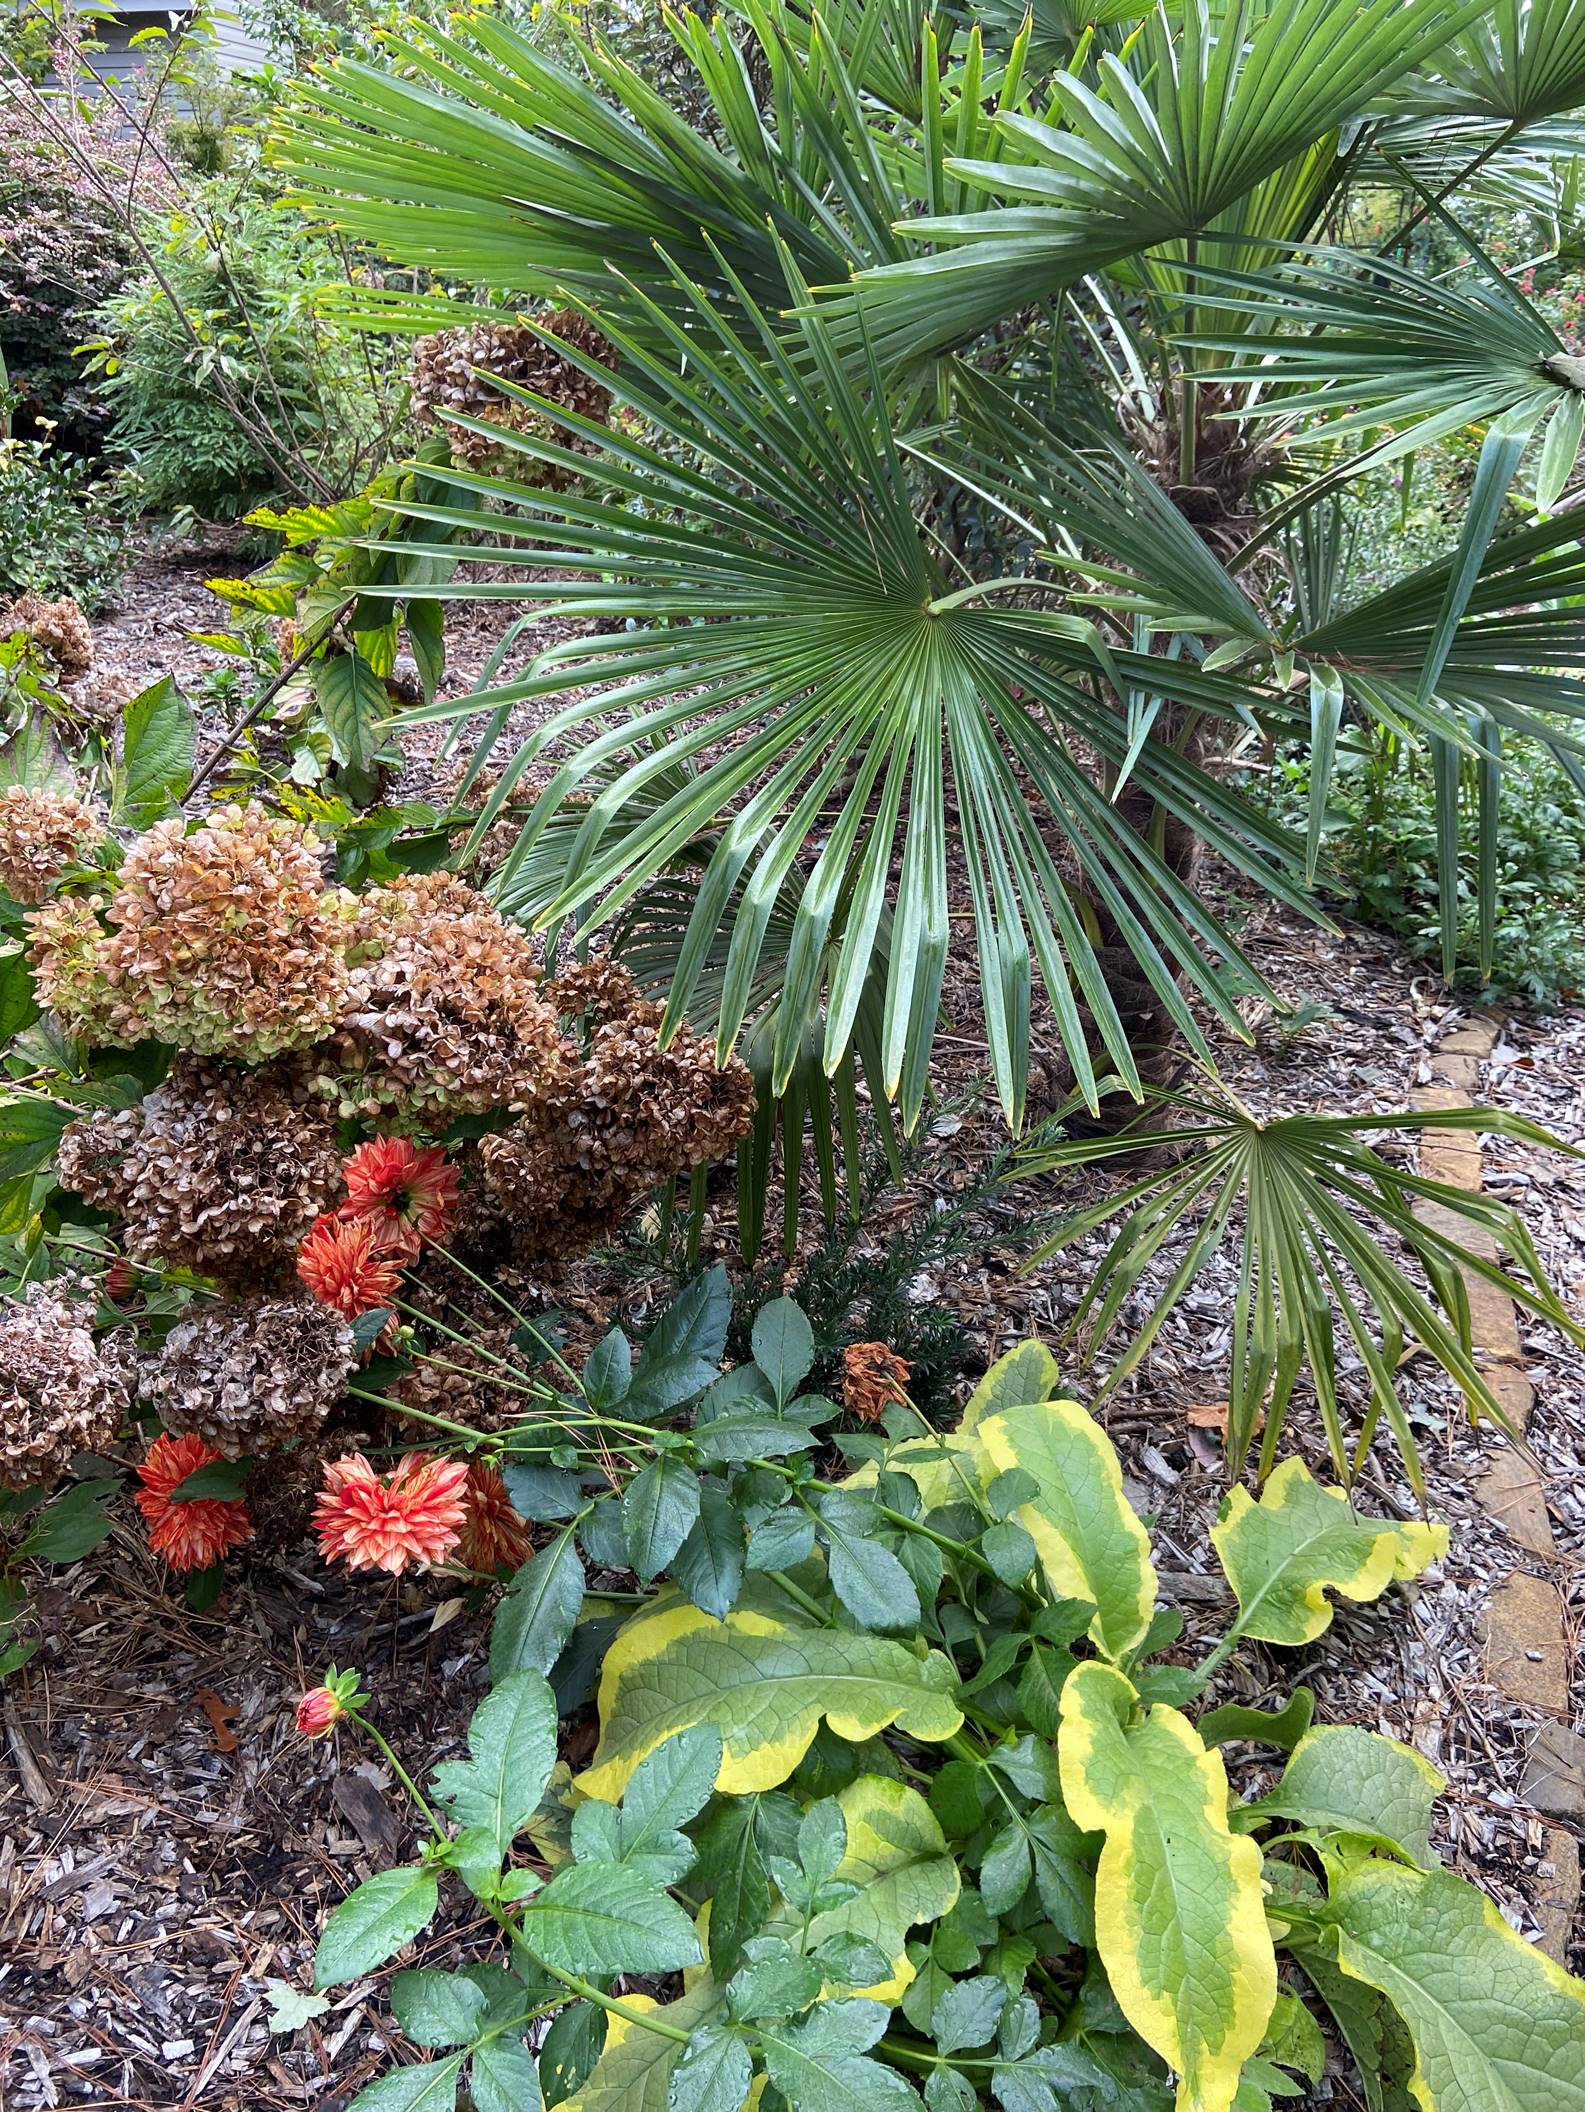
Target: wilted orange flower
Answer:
[[407, 1195], [415, 1516], [191, 1535], [492, 1531], [873, 1378], [344, 1265]]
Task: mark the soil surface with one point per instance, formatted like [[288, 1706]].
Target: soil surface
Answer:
[[169, 1847]]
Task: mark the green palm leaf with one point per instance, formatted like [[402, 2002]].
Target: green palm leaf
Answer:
[[1320, 1210], [799, 640], [1202, 113]]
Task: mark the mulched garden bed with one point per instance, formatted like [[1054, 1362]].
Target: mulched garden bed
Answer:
[[168, 1846]]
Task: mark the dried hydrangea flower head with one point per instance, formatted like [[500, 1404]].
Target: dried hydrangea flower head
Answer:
[[61, 1392], [251, 1374], [58, 628], [196, 1533], [225, 942], [217, 1170], [412, 1516], [455, 371], [629, 1115], [42, 835], [444, 1015]]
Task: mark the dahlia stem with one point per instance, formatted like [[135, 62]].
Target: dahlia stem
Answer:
[[507, 1306], [402, 1776]]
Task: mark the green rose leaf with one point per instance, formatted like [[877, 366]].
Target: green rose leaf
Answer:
[[1283, 1554], [386, 1911]]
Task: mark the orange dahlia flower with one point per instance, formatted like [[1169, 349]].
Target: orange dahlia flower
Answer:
[[190, 1535], [344, 1265], [873, 1378], [413, 1516], [407, 1195], [493, 1533]]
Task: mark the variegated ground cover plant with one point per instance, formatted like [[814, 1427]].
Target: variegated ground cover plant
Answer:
[[897, 1798]]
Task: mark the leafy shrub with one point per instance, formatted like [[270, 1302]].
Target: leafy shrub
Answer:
[[1385, 851], [893, 1786], [227, 386], [60, 526]]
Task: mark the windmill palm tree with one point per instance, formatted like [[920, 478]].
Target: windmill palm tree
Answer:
[[990, 387]]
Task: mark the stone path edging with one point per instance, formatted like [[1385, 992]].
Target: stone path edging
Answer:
[[1527, 1652]]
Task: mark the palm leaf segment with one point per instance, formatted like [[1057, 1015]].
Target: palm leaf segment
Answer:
[[1195, 119], [1321, 1210], [841, 695]]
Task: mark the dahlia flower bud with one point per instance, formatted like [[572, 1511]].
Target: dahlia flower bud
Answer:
[[322, 1707]]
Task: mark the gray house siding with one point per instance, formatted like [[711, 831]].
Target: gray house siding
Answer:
[[236, 48]]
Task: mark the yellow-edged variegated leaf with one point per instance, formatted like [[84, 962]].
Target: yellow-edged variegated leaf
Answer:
[[898, 1857], [1496, 2026], [1091, 1544], [633, 2073], [1179, 1919], [1284, 1554], [765, 1682], [1026, 1374], [1341, 1778]]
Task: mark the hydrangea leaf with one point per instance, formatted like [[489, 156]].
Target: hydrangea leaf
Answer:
[[1283, 1554], [898, 1856], [1342, 1779], [1092, 1545], [1496, 2025], [1179, 1918], [1024, 1377], [765, 1682]]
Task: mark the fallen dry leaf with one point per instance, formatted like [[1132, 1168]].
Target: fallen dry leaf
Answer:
[[221, 1717]]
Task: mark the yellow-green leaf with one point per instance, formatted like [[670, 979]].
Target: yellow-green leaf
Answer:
[[1344, 1779], [633, 2072], [1026, 1374], [898, 1857], [1283, 1554], [1179, 1920], [765, 1681], [1496, 2026], [1091, 1544]]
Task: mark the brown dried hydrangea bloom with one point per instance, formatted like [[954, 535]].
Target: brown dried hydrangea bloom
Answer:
[[42, 835], [225, 942], [61, 1392], [58, 628], [251, 1374], [217, 1170], [479, 1382], [443, 1016], [629, 1115], [455, 371]]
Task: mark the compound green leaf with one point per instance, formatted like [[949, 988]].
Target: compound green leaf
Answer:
[[512, 1744], [1283, 1554], [765, 1682], [820, 2065], [386, 1911], [438, 2009], [430, 2086], [1342, 1779], [714, 2073], [898, 1857], [1180, 1922], [605, 1918], [1496, 2026], [1092, 1546], [505, 2077], [539, 1610]]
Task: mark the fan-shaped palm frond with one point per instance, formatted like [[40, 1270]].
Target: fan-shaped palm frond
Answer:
[[1312, 1203], [1517, 64], [1205, 109], [845, 694]]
